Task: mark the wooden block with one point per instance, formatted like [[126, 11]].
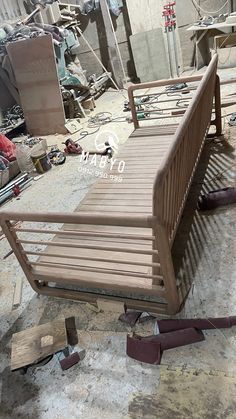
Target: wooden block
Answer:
[[69, 361], [72, 336], [17, 293], [36, 343], [108, 305]]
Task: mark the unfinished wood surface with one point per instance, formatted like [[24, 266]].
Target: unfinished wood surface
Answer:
[[34, 344], [17, 293], [34, 64], [119, 239]]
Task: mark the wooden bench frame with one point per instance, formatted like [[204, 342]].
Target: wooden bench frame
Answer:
[[170, 191]]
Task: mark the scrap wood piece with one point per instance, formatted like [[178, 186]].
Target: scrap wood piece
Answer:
[[177, 338], [34, 344], [69, 361], [143, 350], [169, 325], [17, 293], [130, 317], [71, 331], [72, 360], [149, 349]]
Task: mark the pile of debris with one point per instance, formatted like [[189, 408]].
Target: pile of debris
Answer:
[[61, 21]]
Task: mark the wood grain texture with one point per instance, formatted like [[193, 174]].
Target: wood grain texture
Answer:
[[34, 65], [121, 234], [36, 343]]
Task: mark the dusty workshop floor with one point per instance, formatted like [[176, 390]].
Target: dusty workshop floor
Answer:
[[196, 381]]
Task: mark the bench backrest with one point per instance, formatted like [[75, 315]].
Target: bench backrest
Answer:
[[174, 177]]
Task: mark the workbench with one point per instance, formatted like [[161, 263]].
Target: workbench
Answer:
[[203, 55]]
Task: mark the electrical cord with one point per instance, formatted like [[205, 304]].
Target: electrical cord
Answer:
[[103, 118], [97, 121], [208, 11]]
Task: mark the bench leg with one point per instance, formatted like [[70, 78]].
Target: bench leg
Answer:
[[162, 244], [19, 253], [217, 121]]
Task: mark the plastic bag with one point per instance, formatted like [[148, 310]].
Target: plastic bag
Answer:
[[23, 156], [7, 148]]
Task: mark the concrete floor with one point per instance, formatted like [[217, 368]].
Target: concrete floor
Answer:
[[196, 381]]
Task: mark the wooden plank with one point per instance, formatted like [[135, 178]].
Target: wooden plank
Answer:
[[93, 269], [34, 64], [112, 209], [146, 244], [92, 246], [155, 130], [86, 234], [124, 187], [130, 190], [127, 182], [119, 196], [17, 293], [112, 44], [36, 343], [157, 306], [118, 202], [45, 256], [100, 281]]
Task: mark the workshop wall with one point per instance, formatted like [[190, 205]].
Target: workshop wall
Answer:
[[10, 10], [146, 15], [147, 23], [93, 29]]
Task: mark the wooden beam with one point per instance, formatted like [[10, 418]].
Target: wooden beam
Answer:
[[111, 44]]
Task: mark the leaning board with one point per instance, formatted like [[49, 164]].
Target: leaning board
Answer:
[[34, 65]]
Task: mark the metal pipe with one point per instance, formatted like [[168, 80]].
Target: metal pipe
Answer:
[[12, 184], [10, 193], [175, 52], [169, 52]]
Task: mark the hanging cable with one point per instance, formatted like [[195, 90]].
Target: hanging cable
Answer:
[[208, 11]]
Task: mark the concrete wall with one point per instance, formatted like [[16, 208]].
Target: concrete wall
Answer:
[[186, 16], [94, 31], [147, 15]]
